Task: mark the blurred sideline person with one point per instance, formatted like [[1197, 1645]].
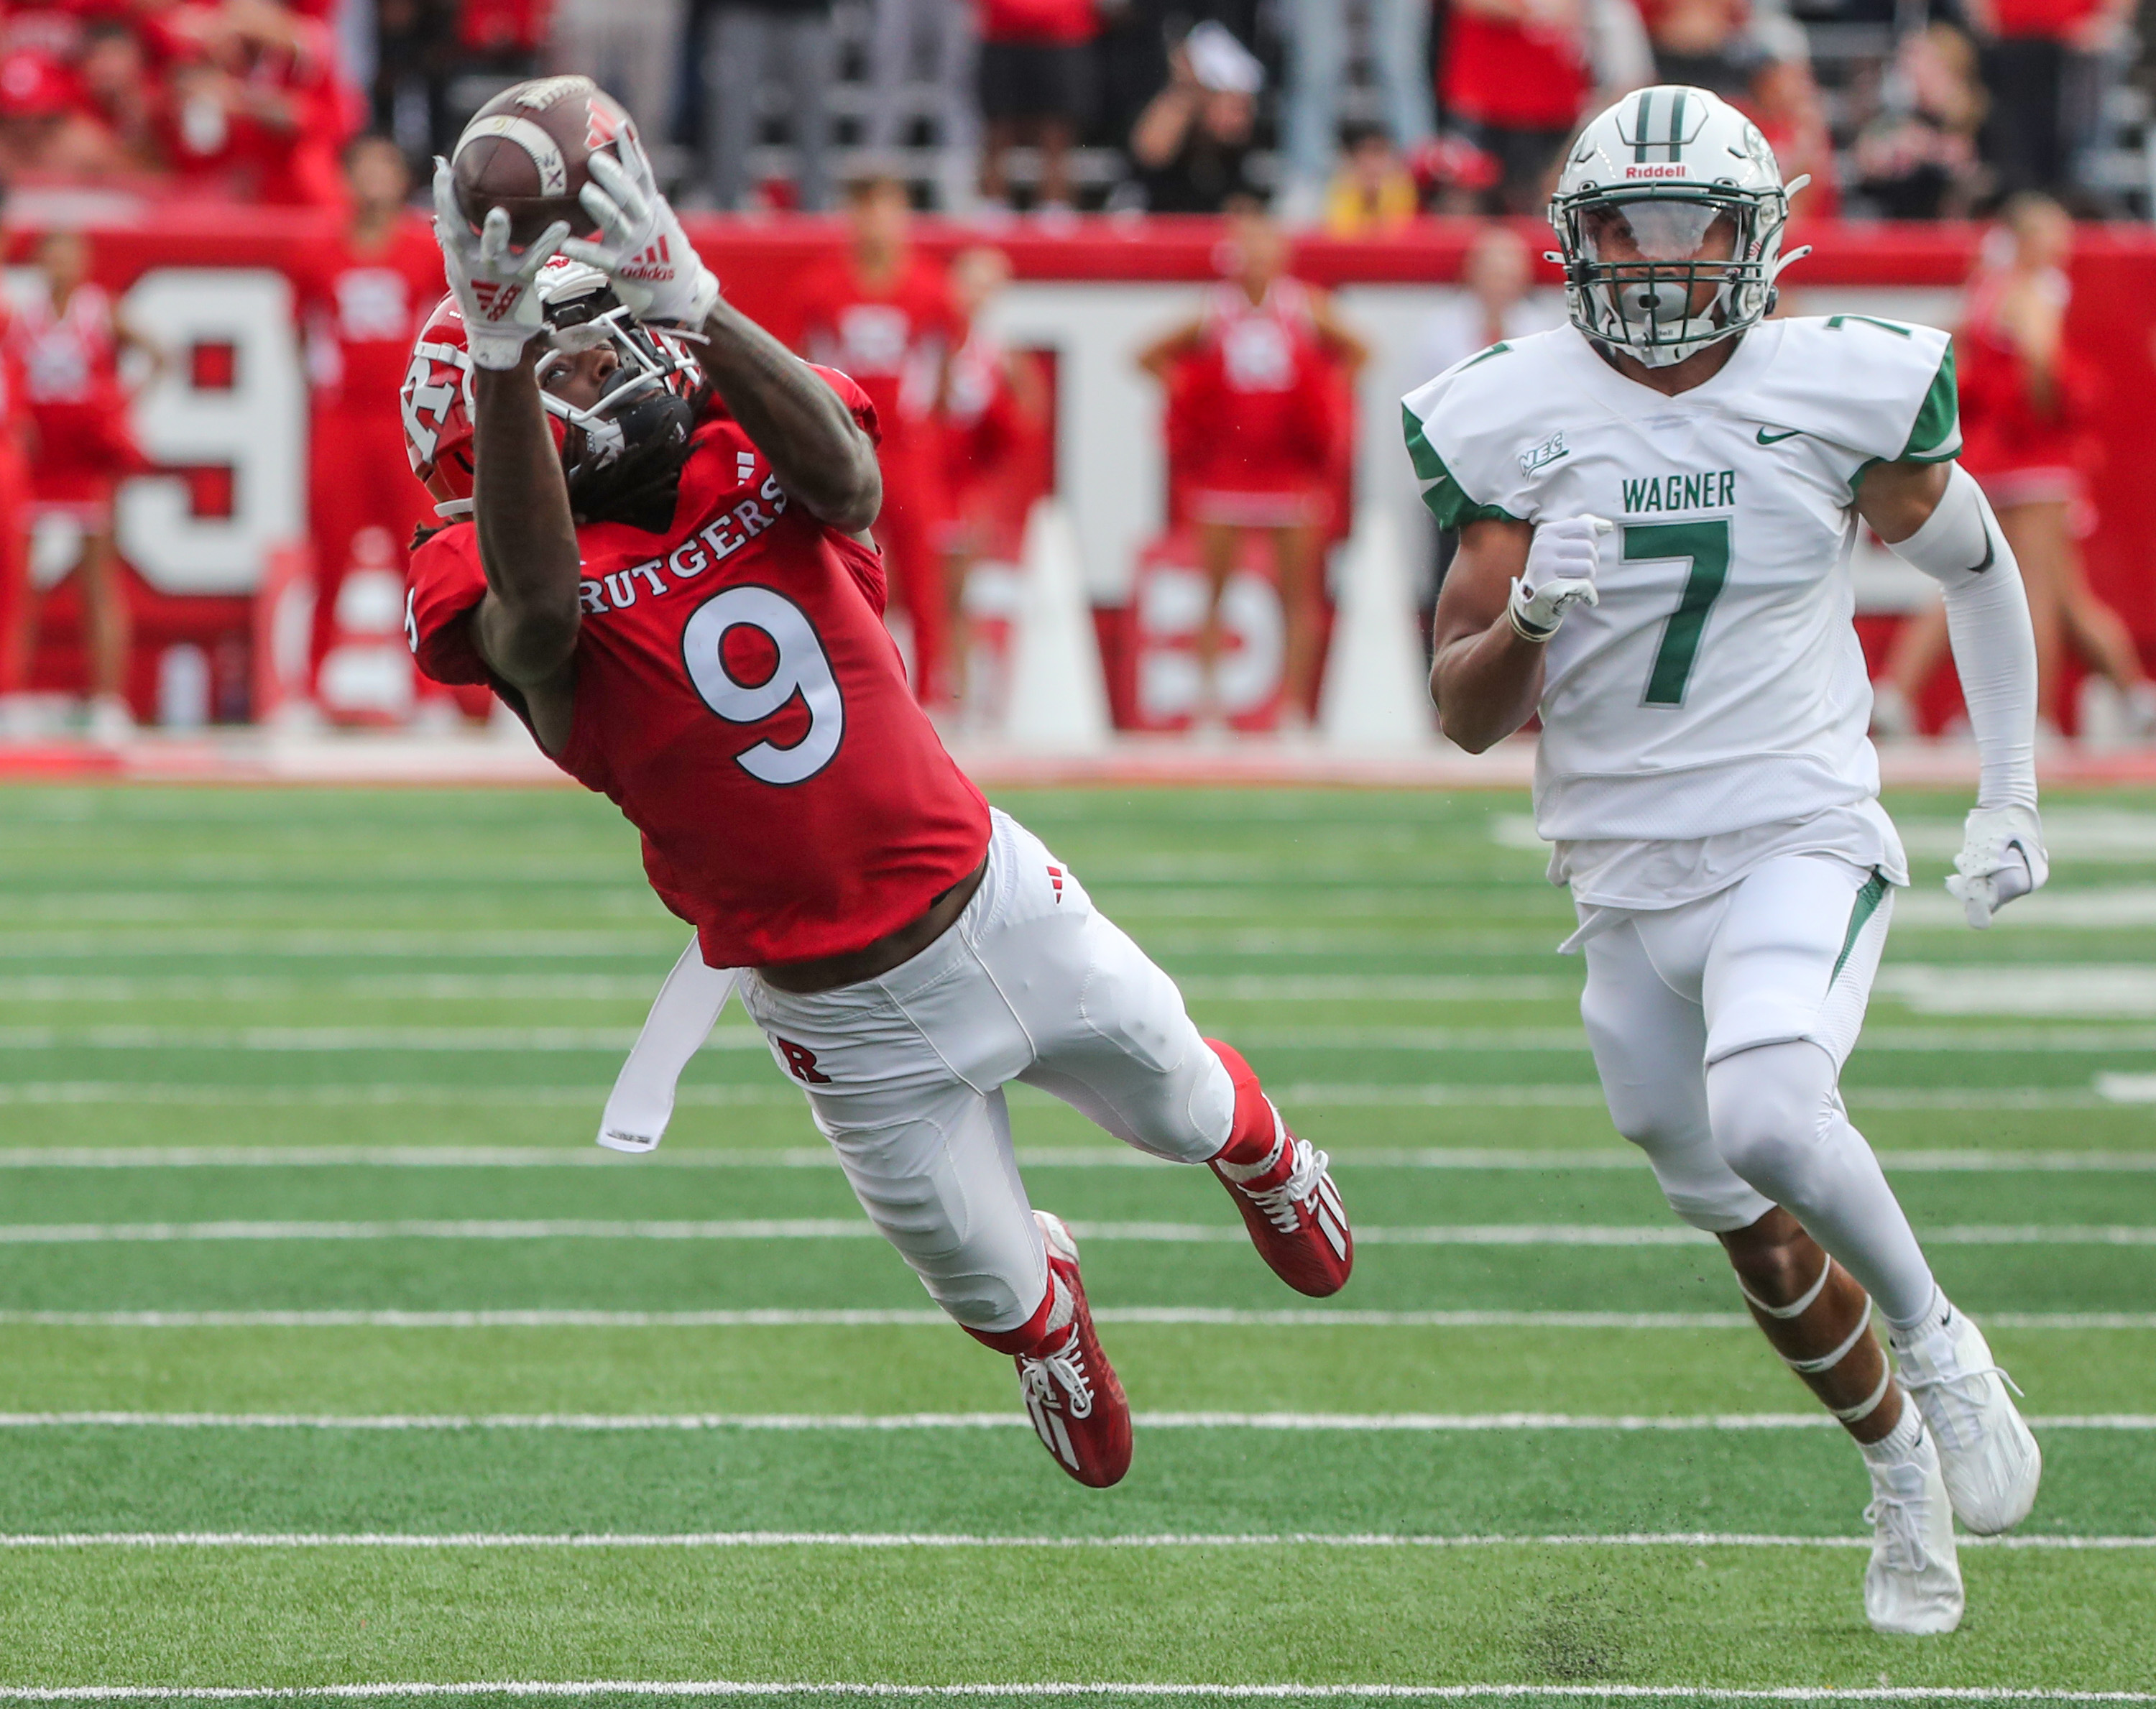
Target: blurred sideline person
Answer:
[[1036, 69], [68, 341], [1373, 194], [751, 42], [16, 431], [1192, 143], [1251, 384], [667, 572], [365, 298], [995, 410], [2025, 397], [1655, 504], [883, 315]]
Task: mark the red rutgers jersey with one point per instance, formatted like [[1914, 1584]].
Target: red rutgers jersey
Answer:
[[738, 698]]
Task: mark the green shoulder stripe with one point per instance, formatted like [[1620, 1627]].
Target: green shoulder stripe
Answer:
[[1447, 502], [1935, 435]]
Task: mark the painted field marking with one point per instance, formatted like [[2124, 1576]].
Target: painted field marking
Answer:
[[845, 1228], [791, 1424], [2076, 834], [550, 1317], [2108, 1091], [1034, 1690], [611, 1040], [2127, 991], [944, 1540], [1544, 1159]]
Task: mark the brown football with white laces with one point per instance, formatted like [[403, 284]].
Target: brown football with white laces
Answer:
[[529, 151]]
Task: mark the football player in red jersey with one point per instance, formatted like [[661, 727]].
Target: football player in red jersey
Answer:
[[366, 296], [885, 317], [666, 571]]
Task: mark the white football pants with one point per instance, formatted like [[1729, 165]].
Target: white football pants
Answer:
[[905, 1073], [1719, 1029]]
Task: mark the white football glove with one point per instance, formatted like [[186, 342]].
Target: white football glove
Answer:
[[2002, 857], [641, 246], [494, 284], [1559, 575]]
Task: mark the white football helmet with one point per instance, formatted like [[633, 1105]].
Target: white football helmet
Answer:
[[1636, 214]]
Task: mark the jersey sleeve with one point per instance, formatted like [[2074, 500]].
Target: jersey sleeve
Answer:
[[1461, 482], [1883, 389], [855, 400], [445, 587]]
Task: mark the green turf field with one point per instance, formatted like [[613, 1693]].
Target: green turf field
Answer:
[[333, 1352]]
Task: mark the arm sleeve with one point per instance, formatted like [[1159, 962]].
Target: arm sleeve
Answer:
[[1960, 548], [447, 585]]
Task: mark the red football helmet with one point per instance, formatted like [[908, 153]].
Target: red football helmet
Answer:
[[618, 444], [437, 402]]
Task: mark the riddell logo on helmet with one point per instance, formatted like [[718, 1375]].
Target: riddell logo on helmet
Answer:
[[1668, 172]]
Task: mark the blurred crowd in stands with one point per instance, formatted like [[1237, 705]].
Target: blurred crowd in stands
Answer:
[[1353, 113]]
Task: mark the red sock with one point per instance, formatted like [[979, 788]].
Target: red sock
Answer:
[[1251, 1141], [1028, 1336]]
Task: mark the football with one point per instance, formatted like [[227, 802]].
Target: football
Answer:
[[529, 151]]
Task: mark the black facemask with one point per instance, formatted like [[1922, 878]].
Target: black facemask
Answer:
[[640, 482]]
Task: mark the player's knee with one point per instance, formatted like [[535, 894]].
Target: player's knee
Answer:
[[1767, 1107]]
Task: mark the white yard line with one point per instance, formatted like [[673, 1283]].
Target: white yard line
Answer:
[[845, 1228], [2107, 1089], [949, 1539], [926, 1318], [1536, 1159], [789, 1424], [1034, 1690]]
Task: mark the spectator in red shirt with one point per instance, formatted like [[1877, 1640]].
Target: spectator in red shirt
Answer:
[[43, 132], [252, 110], [1036, 88], [117, 92], [365, 301], [1517, 75], [2032, 52], [884, 316]]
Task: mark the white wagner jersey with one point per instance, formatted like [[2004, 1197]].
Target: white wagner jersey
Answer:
[[1719, 685]]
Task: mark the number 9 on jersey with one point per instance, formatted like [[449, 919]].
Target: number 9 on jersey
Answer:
[[802, 669]]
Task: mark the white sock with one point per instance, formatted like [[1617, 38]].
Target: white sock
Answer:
[[1902, 1442], [1934, 1316]]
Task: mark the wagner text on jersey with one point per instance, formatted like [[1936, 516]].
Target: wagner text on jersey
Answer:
[[1710, 489]]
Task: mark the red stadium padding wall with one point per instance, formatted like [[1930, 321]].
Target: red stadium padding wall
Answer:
[[2112, 321]]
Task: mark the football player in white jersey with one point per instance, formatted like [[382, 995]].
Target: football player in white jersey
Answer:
[[1656, 505]]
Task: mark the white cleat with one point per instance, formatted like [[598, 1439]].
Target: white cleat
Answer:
[[1992, 1463], [1913, 1585]]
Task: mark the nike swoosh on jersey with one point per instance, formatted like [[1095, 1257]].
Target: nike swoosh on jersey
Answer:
[[1768, 438]]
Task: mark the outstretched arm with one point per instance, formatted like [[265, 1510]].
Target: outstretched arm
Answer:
[[817, 449], [525, 628], [1487, 676]]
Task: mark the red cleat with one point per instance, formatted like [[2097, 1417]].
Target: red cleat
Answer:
[[1285, 1193], [1069, 1387]]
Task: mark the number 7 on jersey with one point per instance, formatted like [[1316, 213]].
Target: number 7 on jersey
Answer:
[[1705, 547]]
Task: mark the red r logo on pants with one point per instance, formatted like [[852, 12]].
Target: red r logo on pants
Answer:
[[801, 1063]]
